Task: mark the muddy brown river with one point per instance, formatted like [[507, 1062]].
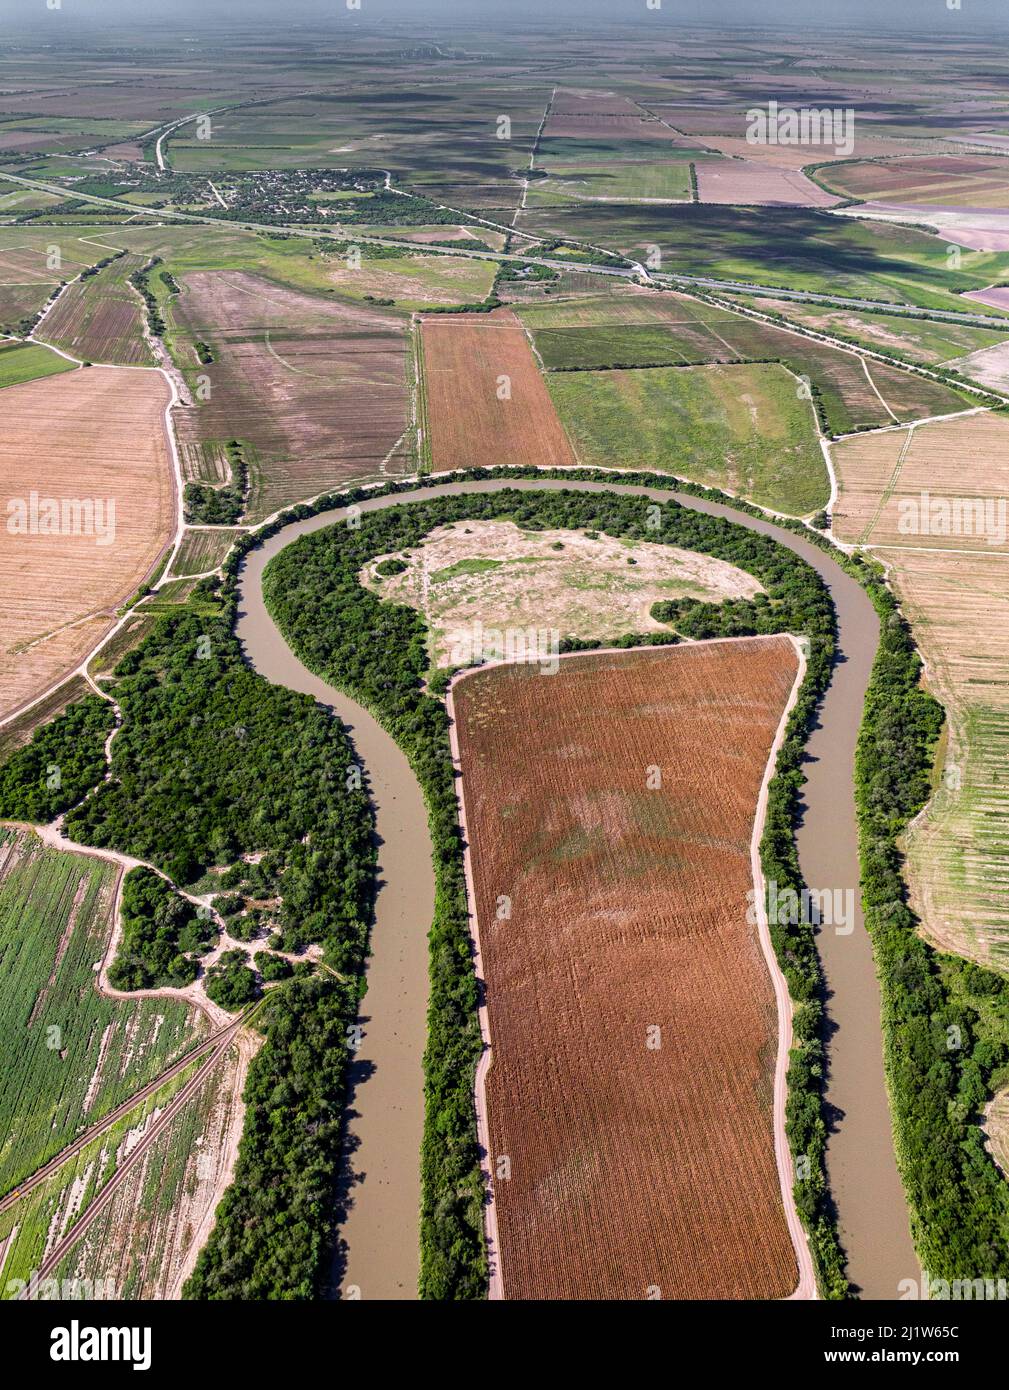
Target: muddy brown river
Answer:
[[380, 1234]]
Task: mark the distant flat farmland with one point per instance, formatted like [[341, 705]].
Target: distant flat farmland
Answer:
[[655, 330], [95, 435], [486, 400], [632, 1165], [317, 388], [750, 183], [101, 319], [968, 181]]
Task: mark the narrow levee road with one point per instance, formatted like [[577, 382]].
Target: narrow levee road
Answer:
[[381, 1231]]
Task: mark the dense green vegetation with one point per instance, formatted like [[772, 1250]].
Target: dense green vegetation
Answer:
[[230, 982], [140, 280], [945, 1020], [161, 932], [213, 762], [377, 652], [60, 765], [274, 1231]]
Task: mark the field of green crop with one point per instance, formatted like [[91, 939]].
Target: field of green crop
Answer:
[[26, 361], [635, 180], [67, 1054], [742, 428]]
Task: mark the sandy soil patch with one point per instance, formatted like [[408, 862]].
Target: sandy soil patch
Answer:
[[93, 436], [491, 572], [989, 366]]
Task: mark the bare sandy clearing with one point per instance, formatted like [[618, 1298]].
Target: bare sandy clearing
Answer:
[[989, 366], [492, 573], [94, 443]]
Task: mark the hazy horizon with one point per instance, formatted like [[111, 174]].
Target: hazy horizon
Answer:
[[974, 16]]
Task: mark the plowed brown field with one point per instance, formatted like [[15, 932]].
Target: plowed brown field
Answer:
[[81, 436], [486, 400], [317, 388], [636, 1170]]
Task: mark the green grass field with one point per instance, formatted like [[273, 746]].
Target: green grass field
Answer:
[[742, 428], [633, 180], [27, 361]]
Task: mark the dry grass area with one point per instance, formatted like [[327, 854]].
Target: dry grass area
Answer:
[[953, 585], [96, 434], [491, 572], [800, 156], [958, 855], [317, 388], [882, 478], [485, 396], [632, 1166], [989, 366], [756, 183]]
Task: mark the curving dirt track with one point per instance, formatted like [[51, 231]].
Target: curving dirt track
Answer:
[[381, 1232]]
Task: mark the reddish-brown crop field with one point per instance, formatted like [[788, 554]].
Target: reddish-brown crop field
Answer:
[[631, 1014], [317, 388], [486, 400]]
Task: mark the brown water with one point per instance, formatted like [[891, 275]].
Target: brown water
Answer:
[[381, 1230]]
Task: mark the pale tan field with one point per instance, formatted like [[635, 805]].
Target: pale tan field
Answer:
[[953, 586], [799, 156], [84, 436], [958, 854], [989, 366], [758, 183], [960, 466], [492, 573]]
